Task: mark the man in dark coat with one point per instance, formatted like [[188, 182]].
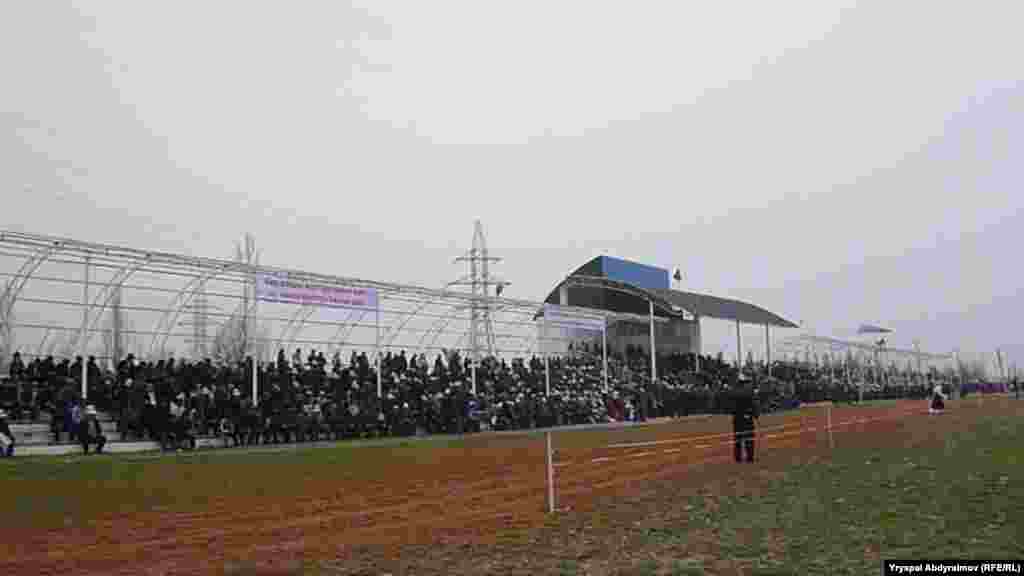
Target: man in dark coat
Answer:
[[745, 412], [127, 411], [17, 368], [90, 432]]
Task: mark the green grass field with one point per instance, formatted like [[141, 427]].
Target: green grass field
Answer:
[[961, 499], [49, 491], [949, 487], [958, 497]]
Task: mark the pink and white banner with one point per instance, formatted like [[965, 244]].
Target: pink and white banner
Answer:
[[280, 288]]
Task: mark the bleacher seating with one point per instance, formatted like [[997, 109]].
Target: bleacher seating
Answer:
[[309, 400]]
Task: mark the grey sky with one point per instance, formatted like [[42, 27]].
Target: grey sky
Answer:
[[833, 162]]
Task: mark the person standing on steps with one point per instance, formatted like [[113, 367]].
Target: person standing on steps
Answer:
[[90, 432]]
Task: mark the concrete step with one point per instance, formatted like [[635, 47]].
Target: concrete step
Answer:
[[27, 434], [47, 439], [66, 448], [46, 418], [37, 434]]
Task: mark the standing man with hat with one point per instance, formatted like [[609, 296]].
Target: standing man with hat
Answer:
[[745, 413]]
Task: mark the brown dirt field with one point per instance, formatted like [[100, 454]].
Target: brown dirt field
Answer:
[[474, 502]]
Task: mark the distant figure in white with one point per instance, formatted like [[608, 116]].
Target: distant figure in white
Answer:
[[938, 403]]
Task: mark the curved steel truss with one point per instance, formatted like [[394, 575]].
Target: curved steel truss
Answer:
[[50, 300]]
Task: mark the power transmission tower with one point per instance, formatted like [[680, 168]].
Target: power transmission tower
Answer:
[[199, 318], [200, 322], [114, 339], [246, 253], [117, 319], [480, 281]]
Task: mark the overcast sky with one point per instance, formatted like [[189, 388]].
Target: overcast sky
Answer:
[[834, 162]]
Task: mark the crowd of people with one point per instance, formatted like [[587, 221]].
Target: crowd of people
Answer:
[[308, 398]]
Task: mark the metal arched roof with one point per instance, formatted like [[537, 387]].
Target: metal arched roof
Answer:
[[675, 303], [724, 308]]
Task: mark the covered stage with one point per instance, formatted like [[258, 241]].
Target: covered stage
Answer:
[[636, 299]]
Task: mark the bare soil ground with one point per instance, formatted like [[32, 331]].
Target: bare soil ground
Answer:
[[468, 506]]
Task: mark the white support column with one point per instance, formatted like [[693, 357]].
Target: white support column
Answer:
[[654, 367], [82, 337], [768, 349], [255, 381], [700, 345], [860, 391], [547, 375], [916, 348], [473, 376], [380, 377], [604, 353], [739, 348], [846, 365], [547, 363]]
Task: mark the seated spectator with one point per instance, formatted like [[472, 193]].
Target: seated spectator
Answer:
[[6, 437]]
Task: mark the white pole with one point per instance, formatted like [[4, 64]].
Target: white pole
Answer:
[[860, 390], [85, 326], [380, 377], [831, 442], [768, 350], [739, 348], [551, 475], [473, 376], [700, 345], [547, 366], [849, 376], [547, 375], [255, 380], [654, 367], [604, 352]]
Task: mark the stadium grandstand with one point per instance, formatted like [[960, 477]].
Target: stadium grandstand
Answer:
[[153, 350]]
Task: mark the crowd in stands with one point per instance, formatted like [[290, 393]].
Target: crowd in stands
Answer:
[[308, 398]]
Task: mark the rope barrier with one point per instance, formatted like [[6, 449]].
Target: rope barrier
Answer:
[[731, 438], [694, 438]]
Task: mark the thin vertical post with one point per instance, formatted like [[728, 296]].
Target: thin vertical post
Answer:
[[380, 377], [82, 338], [547, 364], [255, 382], [848, 369], [739, 348], [920, 373], [551, 474], [768, 350], [604, 352], [700, 346], [831, 442], [547, 375], [473, 375], [654, 368]]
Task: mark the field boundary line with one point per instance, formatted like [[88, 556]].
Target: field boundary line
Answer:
[[892, 416], [695, 438]]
